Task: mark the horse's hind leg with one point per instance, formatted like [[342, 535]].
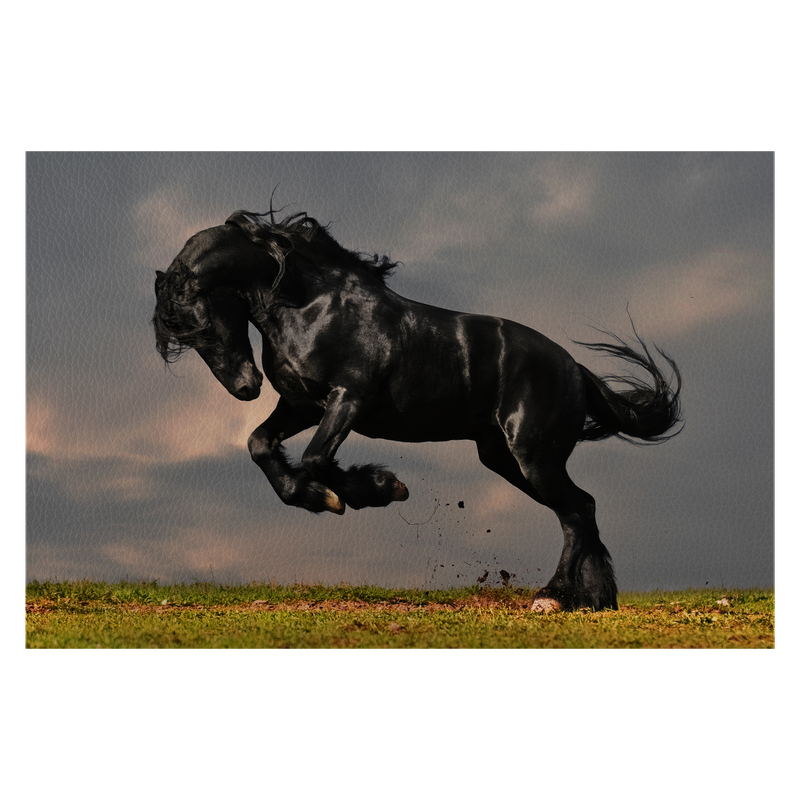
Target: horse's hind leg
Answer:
[[584, 576]]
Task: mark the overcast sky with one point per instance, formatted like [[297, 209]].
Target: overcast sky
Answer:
[[137, 473]]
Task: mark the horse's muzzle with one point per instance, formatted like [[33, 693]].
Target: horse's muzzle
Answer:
[[248, 389], [246, 392]]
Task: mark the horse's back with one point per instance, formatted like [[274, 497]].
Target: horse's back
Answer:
[[453, 373]]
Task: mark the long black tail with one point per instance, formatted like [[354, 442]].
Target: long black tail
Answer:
[[643, 411]]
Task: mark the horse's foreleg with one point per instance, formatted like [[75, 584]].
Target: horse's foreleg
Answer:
[[291, 483], [359, 486]]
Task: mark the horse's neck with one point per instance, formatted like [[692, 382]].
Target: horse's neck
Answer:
[[307, 287]]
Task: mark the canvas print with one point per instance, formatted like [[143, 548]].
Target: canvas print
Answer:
[[548, 375]]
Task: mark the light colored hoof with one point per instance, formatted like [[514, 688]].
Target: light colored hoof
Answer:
[[400, 492], [333, 503], [545, 605]]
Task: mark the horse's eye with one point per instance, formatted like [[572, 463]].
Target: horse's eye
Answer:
[[202, 313]]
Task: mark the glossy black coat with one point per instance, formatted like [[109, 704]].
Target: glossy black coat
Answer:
[[346, 353]]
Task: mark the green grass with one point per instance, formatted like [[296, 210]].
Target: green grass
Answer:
[[146, 615]]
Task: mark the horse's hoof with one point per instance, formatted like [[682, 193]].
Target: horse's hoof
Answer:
[[333, 503], [399, 491], [545, 605]]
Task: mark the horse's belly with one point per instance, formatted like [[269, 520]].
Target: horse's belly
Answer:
[[419, 420]]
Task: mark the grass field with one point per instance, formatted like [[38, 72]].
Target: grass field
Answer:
[[146, 615]]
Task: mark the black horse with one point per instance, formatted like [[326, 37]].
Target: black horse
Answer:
[[346, 353]]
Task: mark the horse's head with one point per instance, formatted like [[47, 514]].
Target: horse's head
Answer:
[[200, 305]]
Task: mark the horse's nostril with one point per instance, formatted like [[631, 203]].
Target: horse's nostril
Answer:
[[247, 391]]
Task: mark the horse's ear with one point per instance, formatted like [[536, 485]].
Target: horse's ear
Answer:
[[239, 218], [244, 221], [160, 278]]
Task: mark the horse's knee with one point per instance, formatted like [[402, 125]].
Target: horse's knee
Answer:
[[255, 445], [261, 444]]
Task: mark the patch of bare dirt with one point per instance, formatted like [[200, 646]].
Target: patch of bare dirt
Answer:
[[479, 601], [484, 600]]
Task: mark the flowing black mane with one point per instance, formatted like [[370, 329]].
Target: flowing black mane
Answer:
[[301, 234], [296, 237]]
